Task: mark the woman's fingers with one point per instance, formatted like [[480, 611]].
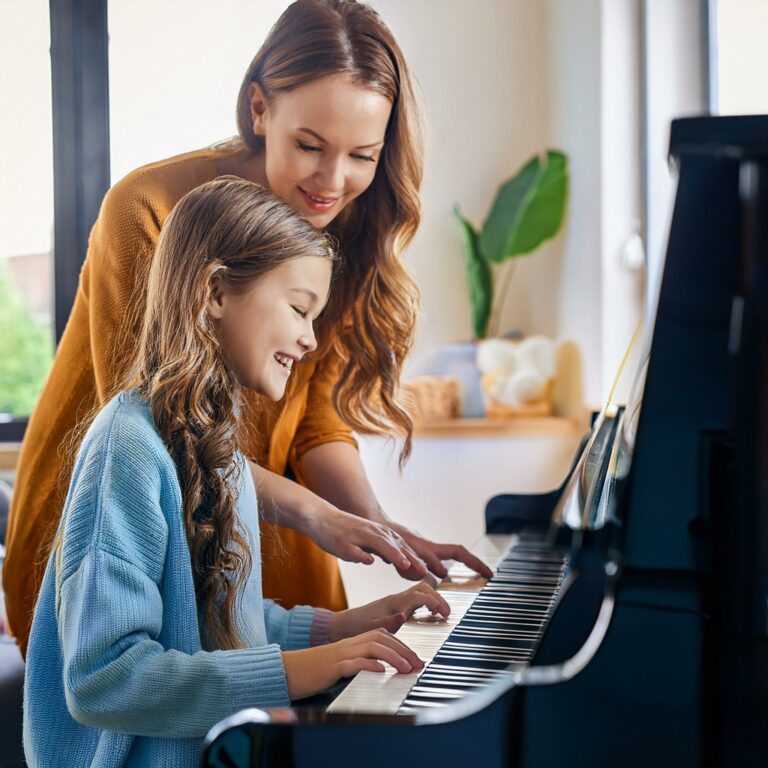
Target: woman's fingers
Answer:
[[353, 554], [393, 549], [463, 555]]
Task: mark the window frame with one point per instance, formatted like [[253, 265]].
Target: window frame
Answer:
[[80, 114]]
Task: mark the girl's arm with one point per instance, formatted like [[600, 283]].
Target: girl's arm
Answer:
[[336, 473], [126, 615]]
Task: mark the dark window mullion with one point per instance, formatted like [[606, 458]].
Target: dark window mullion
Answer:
[[80, 90]]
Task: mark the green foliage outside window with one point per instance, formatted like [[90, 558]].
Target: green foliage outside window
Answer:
[[26, 352]]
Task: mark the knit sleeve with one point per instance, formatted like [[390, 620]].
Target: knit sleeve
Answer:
[[290, 629], [120, 250], [118, 676], [321, 422], [113, 556]]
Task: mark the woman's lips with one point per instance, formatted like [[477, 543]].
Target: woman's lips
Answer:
[[318, 202]]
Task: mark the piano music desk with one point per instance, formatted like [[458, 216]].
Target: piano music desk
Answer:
[[455, 467]]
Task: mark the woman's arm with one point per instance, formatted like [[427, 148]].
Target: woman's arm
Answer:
[[347, 536], [336, 473]]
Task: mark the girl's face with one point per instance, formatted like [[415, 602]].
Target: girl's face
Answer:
[[266, 329], [323, 143]]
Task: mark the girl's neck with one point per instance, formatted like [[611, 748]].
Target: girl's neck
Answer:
[[244, 163]]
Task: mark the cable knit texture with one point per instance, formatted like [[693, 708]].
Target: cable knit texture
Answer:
[[116, 675], [98, 340]]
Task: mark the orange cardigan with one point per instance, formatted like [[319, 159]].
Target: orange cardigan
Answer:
[[97, 342]]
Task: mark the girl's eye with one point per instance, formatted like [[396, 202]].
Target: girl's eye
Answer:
[[300, 312], [367, 158], [307, 147]]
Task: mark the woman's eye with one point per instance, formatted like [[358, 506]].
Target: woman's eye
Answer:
[[300, 312], [307, 147], [367, 158]]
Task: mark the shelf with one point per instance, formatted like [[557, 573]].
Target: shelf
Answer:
[[540, 426]]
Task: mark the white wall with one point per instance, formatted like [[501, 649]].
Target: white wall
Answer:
[[742, 56], [483, 71]]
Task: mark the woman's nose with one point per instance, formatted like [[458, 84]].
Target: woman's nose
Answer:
[[332, 174]]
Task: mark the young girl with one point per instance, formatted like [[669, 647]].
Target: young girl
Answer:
[[328, 122], [150, 626]]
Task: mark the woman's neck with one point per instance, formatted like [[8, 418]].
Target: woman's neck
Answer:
[[244, 163]]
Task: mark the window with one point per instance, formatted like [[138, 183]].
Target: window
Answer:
[[173, 83], [26, 208]]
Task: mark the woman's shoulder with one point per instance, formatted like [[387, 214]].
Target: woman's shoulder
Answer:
[[157, 187]]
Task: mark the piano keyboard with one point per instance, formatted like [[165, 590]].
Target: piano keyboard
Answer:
[[492, 625]]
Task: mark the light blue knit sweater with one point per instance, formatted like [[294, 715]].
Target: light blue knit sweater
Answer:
[[115, 671]]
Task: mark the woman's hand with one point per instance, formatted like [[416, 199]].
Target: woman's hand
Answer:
[[313, 670], [433, 554], [357, 539], [388, 613]]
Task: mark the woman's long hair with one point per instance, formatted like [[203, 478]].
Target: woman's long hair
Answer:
[[369, 323], [235, 231]]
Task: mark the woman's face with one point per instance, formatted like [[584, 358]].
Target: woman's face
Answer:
[[264, 330], [323, 143]]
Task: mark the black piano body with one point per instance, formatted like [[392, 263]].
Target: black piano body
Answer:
[[657, 650]]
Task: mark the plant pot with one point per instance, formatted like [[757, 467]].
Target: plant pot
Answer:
[[459, 360]]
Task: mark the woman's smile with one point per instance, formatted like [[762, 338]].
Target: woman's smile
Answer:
[[319, 203]]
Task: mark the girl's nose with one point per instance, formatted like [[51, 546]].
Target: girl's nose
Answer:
[[308, 340]]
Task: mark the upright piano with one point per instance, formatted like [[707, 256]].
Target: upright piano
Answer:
[[627, 620]]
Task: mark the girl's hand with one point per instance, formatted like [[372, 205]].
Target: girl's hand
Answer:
[[314, 670], [389, 613]]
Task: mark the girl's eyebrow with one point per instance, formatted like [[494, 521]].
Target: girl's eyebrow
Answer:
[[321, 139], [312, 295]]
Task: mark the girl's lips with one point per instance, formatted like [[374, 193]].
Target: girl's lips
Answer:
[[318, 203]]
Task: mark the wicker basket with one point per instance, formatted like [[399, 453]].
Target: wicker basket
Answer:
[[431, 398]]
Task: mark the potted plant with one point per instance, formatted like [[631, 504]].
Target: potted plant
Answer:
[[528, 210]]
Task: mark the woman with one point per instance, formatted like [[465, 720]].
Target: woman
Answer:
[[328, 122]]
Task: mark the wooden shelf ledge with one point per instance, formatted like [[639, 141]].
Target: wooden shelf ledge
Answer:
[[539, 426]]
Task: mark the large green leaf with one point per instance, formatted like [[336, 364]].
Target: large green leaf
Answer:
[[478, 275], [528, 209]]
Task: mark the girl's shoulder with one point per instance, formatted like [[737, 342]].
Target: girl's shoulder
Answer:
[[124, 431]]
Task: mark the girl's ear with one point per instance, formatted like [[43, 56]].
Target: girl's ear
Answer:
[[215, 306], [259, 108]]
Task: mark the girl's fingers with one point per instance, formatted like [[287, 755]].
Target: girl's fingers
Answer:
[[391, 623], [350, 667], [393, 651], [423, 595]]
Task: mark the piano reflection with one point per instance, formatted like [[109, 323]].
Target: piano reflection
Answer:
[[627, 620]]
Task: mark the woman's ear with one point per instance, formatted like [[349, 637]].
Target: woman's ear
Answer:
[[215, 305], [259, 107]]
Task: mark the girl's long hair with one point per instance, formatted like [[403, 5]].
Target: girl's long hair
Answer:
[[234, 230], [369, 323]]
